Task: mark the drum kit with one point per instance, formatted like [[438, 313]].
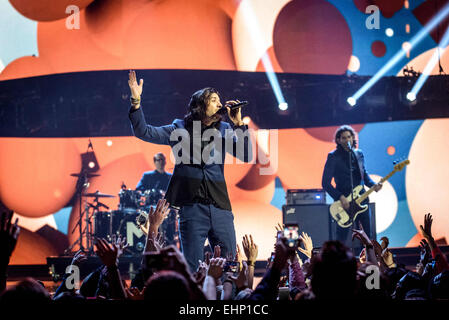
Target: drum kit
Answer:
[[128, 220]]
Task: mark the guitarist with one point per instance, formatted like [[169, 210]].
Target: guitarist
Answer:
[[337, 167]]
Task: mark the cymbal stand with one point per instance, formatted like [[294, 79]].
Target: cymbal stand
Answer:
[[79, 241]]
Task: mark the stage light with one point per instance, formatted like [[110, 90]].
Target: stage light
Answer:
[[252, 24], [109, 143], [423, 32], [411, 96], [431, 63], [246, 120], [351, 101], [389, 32], [283, 106], [89, 162], [407, 47]]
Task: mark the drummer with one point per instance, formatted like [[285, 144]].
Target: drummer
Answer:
[[157, 179]]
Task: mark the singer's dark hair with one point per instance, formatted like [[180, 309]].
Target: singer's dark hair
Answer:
[[342, 129], [198, 104]]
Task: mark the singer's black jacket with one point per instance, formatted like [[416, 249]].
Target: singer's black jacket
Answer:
[[190, 179], [337, 167]]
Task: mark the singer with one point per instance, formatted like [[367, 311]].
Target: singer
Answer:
[[340, 169], [198, 187]]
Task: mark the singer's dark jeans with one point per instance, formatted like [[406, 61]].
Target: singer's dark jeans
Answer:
[[200, 221]]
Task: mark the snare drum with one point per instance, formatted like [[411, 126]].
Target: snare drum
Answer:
[[129, 199], [152, 196]]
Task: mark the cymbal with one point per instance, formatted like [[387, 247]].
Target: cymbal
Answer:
[[88, 175], [98, 194]]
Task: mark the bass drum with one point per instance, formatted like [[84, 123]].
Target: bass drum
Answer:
[[124, 224], [102, 225]]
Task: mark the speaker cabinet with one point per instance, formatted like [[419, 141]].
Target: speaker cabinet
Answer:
[[316, 221]]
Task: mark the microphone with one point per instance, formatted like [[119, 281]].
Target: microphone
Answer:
[[102, 205], [349, 145], [233, 107]]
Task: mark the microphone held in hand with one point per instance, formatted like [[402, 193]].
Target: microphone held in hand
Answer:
[[349, 145], [223, 110]]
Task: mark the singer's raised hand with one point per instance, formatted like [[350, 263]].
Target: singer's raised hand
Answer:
[[136, 89], [234, 115]]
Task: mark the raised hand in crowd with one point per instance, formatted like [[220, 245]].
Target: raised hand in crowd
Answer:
[[441, 263], [425, 253], [109, 254], [361, 235], [365, 240], [200, 273], [279, 227], [308, 245], [379, 255], [120, 243], [426, 231], [77, 260], [281, 254], [251, 251], [9, 233], [384, 242], [238, 256], [388, 258], [250, 248], [216, 268], [214, 273], [155, 218]]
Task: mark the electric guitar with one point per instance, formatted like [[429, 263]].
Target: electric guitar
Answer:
[[346, 218]]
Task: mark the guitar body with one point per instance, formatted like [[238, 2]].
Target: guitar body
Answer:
[[343, 217], [346, 218]]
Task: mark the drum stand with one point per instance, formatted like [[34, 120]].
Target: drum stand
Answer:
[[87, 232]]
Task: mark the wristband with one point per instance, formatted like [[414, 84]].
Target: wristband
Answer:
[[369, 246], [251, 263], [135, 101]]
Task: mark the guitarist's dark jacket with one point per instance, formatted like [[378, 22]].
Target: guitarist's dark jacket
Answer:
[[337, 167]]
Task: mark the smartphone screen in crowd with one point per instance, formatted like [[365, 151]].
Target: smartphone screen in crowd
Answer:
[[291, 234]]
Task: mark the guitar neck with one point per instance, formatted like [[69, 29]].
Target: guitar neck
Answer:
[[367, 193]]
